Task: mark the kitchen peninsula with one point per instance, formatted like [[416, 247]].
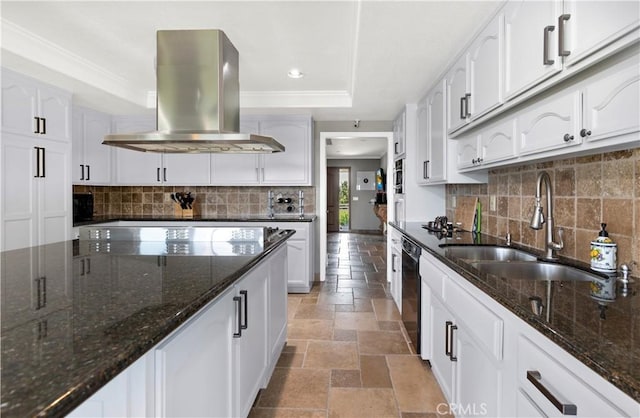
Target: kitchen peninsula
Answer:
[[79, 315]]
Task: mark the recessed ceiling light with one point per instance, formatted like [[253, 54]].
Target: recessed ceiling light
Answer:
[[295, 73]]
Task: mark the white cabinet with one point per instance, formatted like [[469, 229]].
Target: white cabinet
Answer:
[[530, 44], [493, 144], [150, 168], [36, 191], [431, 138], [464, 339], [399, 135], [543, 38], [34, 109], [300, 257], [394, 241], [593, 25], [293, 167], [551, 124], [473, 84], [277, 308], [611, 103], [91, 159]]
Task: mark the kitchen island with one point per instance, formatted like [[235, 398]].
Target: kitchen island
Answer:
[[74, 316], [595, 326]]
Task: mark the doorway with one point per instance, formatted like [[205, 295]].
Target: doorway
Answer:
[[338, 199]]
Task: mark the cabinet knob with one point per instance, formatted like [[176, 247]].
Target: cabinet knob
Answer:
[[473, 161], [585, 132], [568, 137]]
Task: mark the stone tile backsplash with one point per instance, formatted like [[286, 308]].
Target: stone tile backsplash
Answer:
[[587, 191], [210, 201]]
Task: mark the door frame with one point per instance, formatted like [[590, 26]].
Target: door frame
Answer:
[[321, 191]]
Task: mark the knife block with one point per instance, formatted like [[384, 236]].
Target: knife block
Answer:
[[183, 213]]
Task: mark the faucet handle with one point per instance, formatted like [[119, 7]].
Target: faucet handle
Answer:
[[557, 245]]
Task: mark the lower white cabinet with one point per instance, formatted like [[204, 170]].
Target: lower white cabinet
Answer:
[[214, 364], [395, 274], [489, 362]]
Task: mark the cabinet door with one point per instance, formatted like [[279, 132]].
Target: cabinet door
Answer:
[[19, 104], [525, 40], [612, 103], [235, 169], [135, 167], [277, 304], [396, 274], [293, 166], [457, 105], [54, 194], [97, 157], [77, 147], [422, 141], [186, 169], [497, 143], [54, 106], [467, 152], [437, 166], [19, 192], [250, 350], [485, 69], [552, 124], [399, 135], [441, 364], [194, 366], [593, 25], [478, 378], [298, 266]]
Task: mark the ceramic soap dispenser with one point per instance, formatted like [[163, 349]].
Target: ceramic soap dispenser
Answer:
[[603, 252]]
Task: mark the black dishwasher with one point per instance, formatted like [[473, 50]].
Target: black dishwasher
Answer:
[[411, 291]]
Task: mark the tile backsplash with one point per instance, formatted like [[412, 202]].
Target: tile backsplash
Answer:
[[601, 188], [210, 201]]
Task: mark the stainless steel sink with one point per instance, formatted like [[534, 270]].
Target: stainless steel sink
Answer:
[[527, 270], [488, 252]]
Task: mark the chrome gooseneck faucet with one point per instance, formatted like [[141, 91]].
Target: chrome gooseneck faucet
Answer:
[[538, 218]]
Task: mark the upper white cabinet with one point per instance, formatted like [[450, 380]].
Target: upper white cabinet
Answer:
[[494, 144], [293, 167], [399, 135], [150, 168], [34, 109], [551, 124], [91, 159], [474, 83], [592, 25], [431, 137], [542, 38], [530, 44]]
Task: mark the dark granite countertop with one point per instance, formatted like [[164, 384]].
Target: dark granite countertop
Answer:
[[230, 218], [602, 334], [72, 319]]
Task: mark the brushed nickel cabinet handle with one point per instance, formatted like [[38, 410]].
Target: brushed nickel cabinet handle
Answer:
[[238, 301], [535, 378], [545, 46], [561, 19], [81, 171]]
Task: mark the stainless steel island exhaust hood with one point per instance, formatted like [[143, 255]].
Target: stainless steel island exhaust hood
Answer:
[[198, 99]]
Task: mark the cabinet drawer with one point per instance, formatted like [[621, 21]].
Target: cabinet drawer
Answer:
[[561, 383], [433, 277], [482, 322]]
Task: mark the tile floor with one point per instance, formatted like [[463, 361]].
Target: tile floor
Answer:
[[347, 353]]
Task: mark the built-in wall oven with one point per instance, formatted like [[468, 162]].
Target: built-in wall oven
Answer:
[[411, 291], [398, 176]]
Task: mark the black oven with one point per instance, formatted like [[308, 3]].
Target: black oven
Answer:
[[82, 207], [398, 176], [411, 291]]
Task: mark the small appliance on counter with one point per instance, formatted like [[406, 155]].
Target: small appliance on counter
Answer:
[[82, 207]]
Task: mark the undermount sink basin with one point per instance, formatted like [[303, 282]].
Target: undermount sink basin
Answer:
[[488, 252], [527, 270]]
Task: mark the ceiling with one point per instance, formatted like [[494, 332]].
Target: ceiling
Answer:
[[356, 148], [361, 59]]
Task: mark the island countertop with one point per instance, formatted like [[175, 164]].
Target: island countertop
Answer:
[[198, 218], [73, 319], [602, 334]]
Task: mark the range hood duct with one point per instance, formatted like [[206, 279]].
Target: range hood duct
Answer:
[[198, 99]]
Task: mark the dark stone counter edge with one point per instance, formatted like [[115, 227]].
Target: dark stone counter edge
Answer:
[[74, 396], [621, 380], [103, 219]]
